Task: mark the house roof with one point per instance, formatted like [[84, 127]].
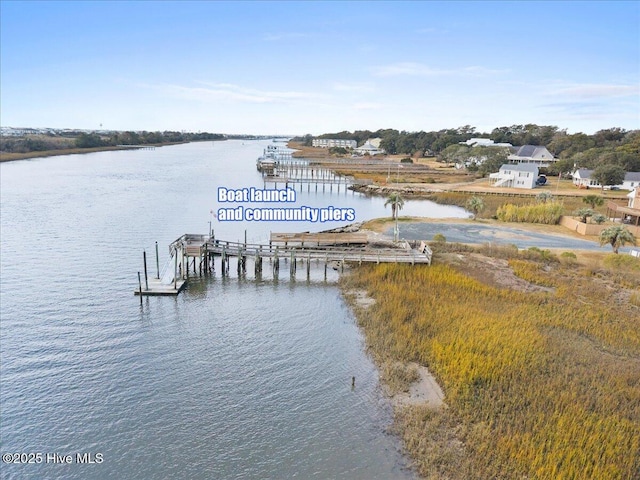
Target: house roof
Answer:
[[586, 174], [582, 173], [531, 151], [632, 177], [520, 167]]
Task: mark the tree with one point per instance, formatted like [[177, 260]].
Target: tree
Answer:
[[476, 205], [593, 200], [617, 236], [454, 154], [494, 158], [396, 202], [88, 140], [544, 197], [609, 175], [584, 213]]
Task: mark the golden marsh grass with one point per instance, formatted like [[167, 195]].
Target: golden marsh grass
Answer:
[[538, 385]]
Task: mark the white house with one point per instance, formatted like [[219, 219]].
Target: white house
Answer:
[[516, 176], [631, 181], [533, 154], [368, 147], [484, 142], [333, 142], [582, 179]]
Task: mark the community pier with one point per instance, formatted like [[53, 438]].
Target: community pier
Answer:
[[198, 254]]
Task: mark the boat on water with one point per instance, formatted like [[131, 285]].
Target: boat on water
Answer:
[[267, 166]]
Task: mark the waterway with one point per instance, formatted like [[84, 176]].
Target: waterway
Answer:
[[235, 378]]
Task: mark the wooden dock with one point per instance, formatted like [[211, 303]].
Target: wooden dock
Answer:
[[198, 254]]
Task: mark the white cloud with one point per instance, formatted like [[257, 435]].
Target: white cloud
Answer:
[[367, 106], [231, 92], [422, 70], [594, 90], [353, 87]]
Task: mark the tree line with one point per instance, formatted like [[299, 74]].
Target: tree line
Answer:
[[79, 139], [612, 146]]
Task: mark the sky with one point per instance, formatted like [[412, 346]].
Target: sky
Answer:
[[293, 68]]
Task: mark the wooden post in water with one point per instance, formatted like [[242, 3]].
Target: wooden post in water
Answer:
[[146, 278], [157, 263], [175, 269], [140, 288]]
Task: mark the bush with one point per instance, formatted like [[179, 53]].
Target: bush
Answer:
[[440, 238], [406, 160], [568, 258], [622, 262]]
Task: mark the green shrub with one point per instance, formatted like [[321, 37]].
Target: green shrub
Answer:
[[440, 238]]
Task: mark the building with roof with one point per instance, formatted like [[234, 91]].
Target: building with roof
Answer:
[[532, 154], [515, 176], [582, 178], [484, 142], [333, 142], [368, 147]]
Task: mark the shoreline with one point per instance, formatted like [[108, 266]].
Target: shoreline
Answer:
[[14, 157], [440, 434]]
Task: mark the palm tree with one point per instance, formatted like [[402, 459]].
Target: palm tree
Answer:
[[617, 236], [593, 200], [476, 205], [584, 213], [396, 202]]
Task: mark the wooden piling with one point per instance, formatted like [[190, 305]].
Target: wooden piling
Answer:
[[157, 263], [146, 277]]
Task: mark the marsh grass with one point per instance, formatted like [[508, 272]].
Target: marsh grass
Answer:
[[538, 385], [398, 377]]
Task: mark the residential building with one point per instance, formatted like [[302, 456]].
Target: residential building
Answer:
[[484, 142], [582, 179], [368, 148], [333, 142], [532, 154], [515, 176]]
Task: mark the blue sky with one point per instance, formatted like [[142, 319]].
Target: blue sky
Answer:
[[316, 67]]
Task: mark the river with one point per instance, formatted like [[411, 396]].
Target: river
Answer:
[[234, 378]]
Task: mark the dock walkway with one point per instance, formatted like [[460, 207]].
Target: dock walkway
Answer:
[[199, 252]]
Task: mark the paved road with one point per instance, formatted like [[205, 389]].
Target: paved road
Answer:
[[478, 233]]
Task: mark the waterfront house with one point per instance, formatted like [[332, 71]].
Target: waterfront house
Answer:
[[582, 179], [333, 142], [515, 176], [531, 154]]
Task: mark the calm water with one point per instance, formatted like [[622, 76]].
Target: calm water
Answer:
[[233, 379]]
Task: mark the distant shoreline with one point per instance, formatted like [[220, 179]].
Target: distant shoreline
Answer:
[[12, 157]]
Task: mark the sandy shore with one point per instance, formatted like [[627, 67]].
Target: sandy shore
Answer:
[[423, 392]]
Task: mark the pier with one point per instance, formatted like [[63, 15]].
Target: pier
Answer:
[[196, 254]]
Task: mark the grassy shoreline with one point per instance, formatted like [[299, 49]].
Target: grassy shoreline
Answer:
[[12, 157], [539, 358]]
